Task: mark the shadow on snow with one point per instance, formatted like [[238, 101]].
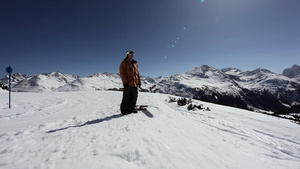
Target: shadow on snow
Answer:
[[89, 122], [146, 112]]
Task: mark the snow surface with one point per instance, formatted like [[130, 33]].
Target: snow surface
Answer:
[[85, 130]]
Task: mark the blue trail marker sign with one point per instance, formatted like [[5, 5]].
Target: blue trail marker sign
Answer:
[[9, 70]]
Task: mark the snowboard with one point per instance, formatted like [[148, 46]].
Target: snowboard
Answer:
[[141, 107]]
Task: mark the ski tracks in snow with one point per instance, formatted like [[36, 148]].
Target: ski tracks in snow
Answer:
[[250, 133]]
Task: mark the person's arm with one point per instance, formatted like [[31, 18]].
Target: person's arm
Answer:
[[123, 74]]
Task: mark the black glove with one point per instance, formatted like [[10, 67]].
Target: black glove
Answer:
[[140, 85]]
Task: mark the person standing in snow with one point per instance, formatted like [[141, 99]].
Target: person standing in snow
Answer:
[[131, 80]]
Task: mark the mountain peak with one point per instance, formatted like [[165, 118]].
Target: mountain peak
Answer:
[[231, 71], [257, 71], [292, 72], [201, 69], [16, 78]]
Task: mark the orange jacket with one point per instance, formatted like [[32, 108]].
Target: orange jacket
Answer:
[[129, 73]]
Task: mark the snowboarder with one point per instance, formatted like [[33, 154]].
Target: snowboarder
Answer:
[[131, 80]]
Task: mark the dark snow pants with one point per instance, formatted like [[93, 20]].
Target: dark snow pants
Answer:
[[130, 95]]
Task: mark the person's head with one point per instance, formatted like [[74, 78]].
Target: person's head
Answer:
[[129, 54]]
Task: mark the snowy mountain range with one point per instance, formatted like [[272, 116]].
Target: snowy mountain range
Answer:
[[259, 89]]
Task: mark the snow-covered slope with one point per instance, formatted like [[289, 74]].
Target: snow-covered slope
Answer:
[[85, 130]]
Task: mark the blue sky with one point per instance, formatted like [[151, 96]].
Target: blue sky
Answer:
[[169, 36]]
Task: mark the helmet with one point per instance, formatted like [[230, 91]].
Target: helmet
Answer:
[[129, 52]]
